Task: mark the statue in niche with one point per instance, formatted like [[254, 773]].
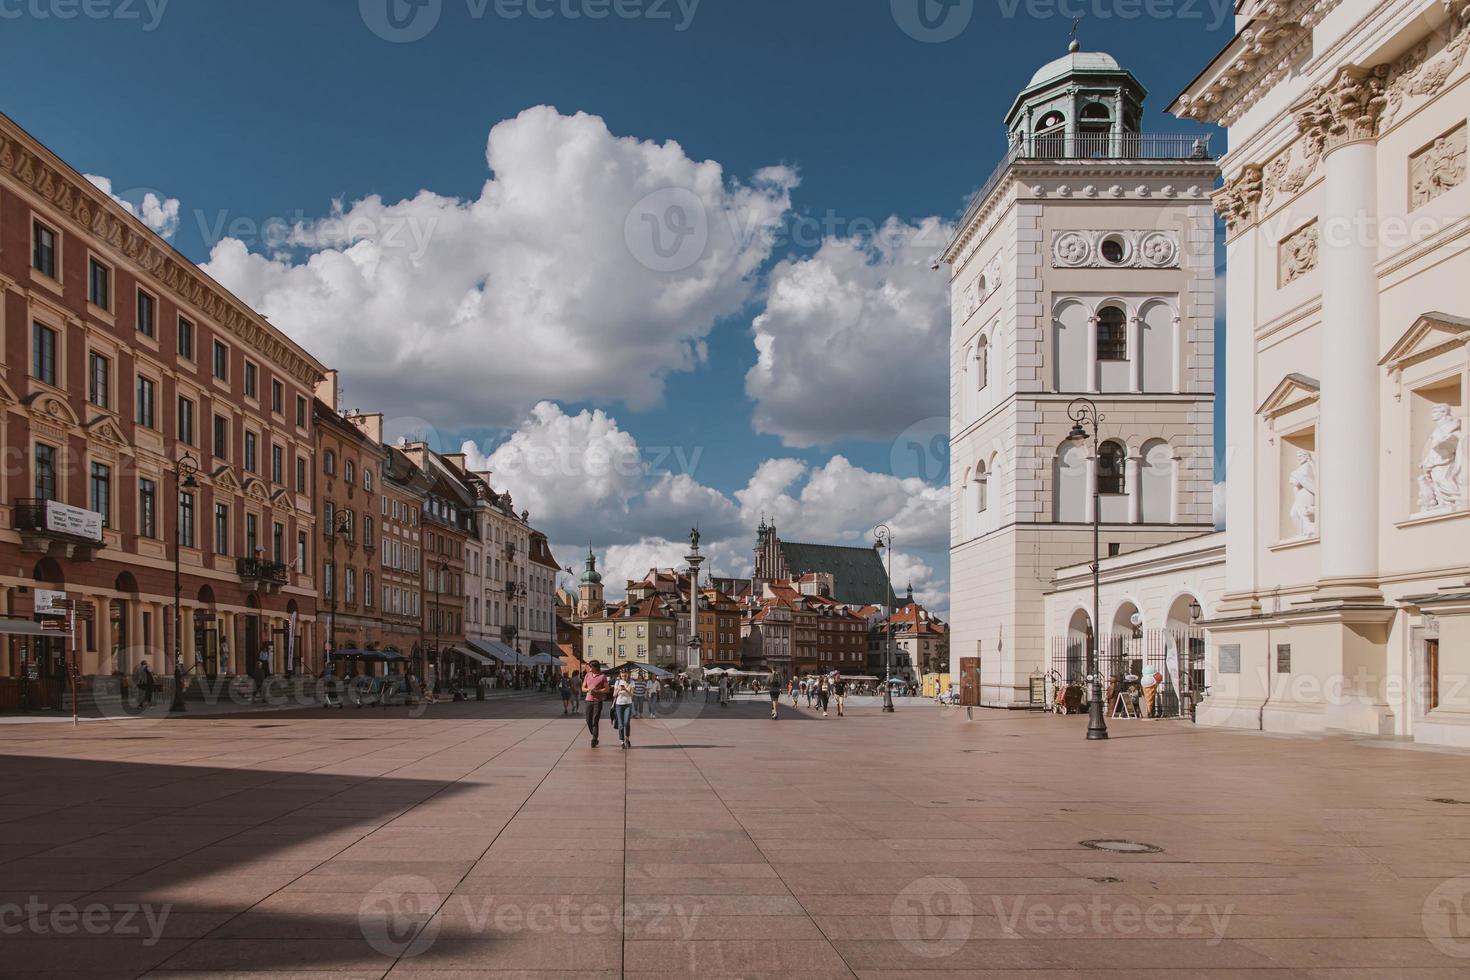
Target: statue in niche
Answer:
[[1442, 470], [1303, 484]]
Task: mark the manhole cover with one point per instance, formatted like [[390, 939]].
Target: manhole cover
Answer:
[[1445, 799], [1122, 846]]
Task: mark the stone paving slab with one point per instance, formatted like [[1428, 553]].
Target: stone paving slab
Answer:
[[489, 840]]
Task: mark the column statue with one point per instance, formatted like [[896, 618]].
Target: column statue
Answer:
[[1303, 484], [1442, 470]]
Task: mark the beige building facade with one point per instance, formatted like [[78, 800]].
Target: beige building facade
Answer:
[[1084, 268], [1347, 593]]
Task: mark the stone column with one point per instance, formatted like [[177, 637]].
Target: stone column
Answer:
[[1344, 115]]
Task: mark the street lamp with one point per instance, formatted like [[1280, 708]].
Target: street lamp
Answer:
[[1084, 414], [883, 539], [441, 568], [340, 526], [184, 470]]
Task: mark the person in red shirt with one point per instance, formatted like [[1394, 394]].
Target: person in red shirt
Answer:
[[594, 688]]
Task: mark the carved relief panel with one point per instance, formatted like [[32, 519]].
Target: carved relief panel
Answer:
[[1147, 249], [1297, 254], [1437, 167]]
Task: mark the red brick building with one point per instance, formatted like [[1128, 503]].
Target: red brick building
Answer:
[[122, 360]]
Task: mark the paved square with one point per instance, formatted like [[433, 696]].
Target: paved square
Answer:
[[491, 840]]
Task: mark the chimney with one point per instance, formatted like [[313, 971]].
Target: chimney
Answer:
[[371, 426], [326, 389]]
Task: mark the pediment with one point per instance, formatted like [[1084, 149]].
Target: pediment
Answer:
[[256, 490], [105, 428], [52, 408], [1294, 391], [223, 479], [7, 393], [1432, 334]]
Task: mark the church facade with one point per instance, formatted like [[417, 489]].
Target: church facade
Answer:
[[1083, 269], [1346, 600]]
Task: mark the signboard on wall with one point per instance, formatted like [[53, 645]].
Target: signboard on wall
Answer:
[[66, 519], [49, 602]]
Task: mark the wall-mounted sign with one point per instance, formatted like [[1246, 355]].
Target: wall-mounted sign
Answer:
[[66, 519], [1230, 658], [49, 602]]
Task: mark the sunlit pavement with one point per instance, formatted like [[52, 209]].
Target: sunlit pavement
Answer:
[[489, 839]]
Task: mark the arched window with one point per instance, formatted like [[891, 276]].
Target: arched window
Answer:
[[1111, 463], [982, 489], [349, 473], [367, 478], [1112, 334], [982, 364], [1094, 131], [329, 463], [1051, 136]]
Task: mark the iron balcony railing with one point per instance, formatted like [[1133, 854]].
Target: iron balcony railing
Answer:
[[260, 570], [1094, 146]]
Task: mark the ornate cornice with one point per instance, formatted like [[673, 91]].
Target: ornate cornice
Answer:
[[36, 169]]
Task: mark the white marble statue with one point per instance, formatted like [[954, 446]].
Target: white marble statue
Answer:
[[1303, 484], [1442, 471]]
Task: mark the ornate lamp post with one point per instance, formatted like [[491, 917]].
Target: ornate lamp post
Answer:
[[1084, 415], [695, 559], [883, 539], [441, 567], [184, 471], [340, 527]]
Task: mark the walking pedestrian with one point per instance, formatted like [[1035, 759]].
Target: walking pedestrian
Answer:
[[792, 685], [775, 694], [824, 693], [623, 698], [655, 693], [264, 659], [564, 686], [431, 681], [594, 689], [811, 692], [640, 694], [724, 692], [143, 679], [839, 689]]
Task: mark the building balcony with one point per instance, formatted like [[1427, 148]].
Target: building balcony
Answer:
[[261, 574], [58, 530]]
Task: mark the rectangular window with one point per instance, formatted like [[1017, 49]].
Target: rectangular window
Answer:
[[186, 519], [252, 536], [43, 250], [100, 497], [250, 460], [45, 472], [43, 354], [278, 465], [300, 475], [99, 379], [221, 361], [186, 421], [99, 284], [252, 379], [147, 508], [186, 339], [278, 542], [221, 529], [221, 437], [301, 552], [301, 411], [146, 402], [278, 397], [147, 314]]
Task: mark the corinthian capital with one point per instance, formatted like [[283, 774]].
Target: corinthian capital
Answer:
[[1345, 109], [1236, 201]]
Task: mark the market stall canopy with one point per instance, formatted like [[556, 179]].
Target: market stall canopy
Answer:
[[473, 655], [499, 652], [653, 671], [24, 627]]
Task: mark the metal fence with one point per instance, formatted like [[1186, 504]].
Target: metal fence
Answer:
[[1177, 655]]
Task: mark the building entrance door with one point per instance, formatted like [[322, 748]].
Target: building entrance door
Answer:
[[970, 682]]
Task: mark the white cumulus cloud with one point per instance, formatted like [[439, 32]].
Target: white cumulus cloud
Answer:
[[159, 213], [543, 286], [852, 338]]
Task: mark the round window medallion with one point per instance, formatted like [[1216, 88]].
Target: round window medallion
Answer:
[[1112, 250], [1122, 846]]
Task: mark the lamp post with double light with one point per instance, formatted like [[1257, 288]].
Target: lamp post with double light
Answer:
[[883, 539], [184, 471], [1086, 420], [341, 527]]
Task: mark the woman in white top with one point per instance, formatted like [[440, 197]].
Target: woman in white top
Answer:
[[623, 709]]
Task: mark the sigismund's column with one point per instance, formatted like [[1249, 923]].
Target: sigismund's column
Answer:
[[1343, 113]]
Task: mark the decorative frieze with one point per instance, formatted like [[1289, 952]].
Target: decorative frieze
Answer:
[[1423, 71], [1437, 168], [1297, 254], [1236, 202], [1151, 249]]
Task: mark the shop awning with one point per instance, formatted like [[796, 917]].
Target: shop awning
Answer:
[[479, 658], [498, 652], [25, 627], [385, 656]]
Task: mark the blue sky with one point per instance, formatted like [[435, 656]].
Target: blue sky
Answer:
[[258, 116]]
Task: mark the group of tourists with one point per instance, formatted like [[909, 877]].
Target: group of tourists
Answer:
[[824, 692]]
